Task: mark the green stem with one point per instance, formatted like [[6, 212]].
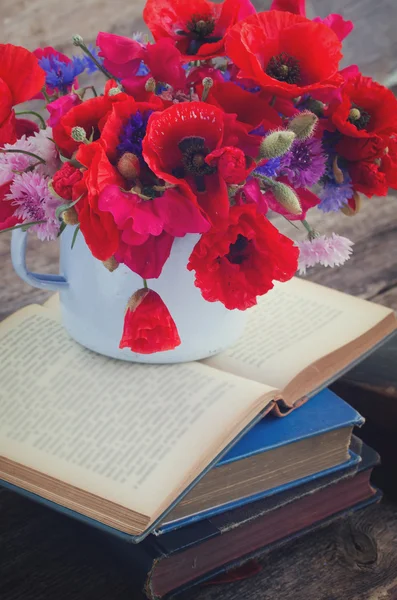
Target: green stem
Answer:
[[267, 180], [41, 160], [36, 114], [94, 60], [24, 226], [145, 285], [306, 225], [46, 96]]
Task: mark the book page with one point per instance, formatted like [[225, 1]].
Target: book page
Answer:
[[53, 305], [129, 433], [293, 326]]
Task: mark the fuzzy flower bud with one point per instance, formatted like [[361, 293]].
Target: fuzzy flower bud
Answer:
[[287, 198], [77, 40], [303, 125], [111, 264], [78, 134], [150, 85], [70, 216], [128, 165], [276, 144]]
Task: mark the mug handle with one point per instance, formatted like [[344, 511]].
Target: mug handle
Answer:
[[55, 283]]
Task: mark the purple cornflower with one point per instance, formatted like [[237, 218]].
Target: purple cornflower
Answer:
[[133, 133], [30, 194], [331, 251], [304, 164]]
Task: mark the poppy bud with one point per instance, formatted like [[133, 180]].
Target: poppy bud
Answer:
[[70, 216], [77, 40], [208, 82], [111, 264], [303, 125], [128, 165], [276, 144], [78, 134], [148, 325], [287, 198], [150, 85]]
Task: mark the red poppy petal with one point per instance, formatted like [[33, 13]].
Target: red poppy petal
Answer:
[[20, 69], [215, 200], [8, 133], [297, 7], [148, 259], [179, 213]]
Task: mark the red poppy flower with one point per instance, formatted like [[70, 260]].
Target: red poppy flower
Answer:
[[367, 109], [356, 149], [21, 78], [148, 227], [375, 177], [98, 227], [249, 108], [91, 115], [275, 49], [197, 27], [148, 325], [60, 107], [180, 143], [239, 261]]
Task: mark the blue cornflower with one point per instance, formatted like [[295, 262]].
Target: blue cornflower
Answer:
[[335, 196], [133, 133], [87, 63], [60, 75], [271, 168]]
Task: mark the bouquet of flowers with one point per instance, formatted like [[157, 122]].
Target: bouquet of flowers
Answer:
[[223, 118]]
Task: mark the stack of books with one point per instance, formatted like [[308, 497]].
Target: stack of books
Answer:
[[176, 464]]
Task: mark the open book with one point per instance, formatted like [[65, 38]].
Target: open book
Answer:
[[122, 443]]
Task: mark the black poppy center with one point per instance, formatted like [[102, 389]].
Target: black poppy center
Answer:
[[194, 151], [284, 67], [199, 31], [358, 117], [239, 251]]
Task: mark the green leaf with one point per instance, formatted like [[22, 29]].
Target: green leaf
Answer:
[[76, 231], [61, 229], [23, 226], [63, 207]]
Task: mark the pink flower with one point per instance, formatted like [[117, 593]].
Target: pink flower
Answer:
[[60, 107], [30, 195], [333, 251], [123, 58], [148, 227]]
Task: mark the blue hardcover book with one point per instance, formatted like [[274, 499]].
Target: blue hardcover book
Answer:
[[324, 422], [312, 442]]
